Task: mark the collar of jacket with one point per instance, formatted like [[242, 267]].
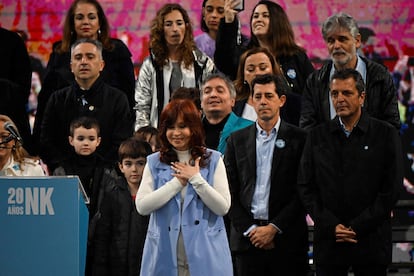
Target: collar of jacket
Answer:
[[199, 58], [375, 71], [362, 125], [95, 88]]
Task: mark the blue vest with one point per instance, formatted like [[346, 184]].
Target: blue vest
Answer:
[[204, 234]]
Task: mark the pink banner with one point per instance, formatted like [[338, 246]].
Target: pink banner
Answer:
[[392, 22]]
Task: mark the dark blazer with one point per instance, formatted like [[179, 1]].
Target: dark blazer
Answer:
[[352, 181], [285, 209], [380, 100]]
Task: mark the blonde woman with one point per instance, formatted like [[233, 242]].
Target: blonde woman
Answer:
[[14, 159]]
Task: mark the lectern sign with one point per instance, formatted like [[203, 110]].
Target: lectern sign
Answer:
[[30, 201], [43, 225]]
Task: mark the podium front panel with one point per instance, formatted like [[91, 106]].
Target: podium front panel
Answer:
[[43, 225]]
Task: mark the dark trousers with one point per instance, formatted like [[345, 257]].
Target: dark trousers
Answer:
[[358, 270], [259, 262]]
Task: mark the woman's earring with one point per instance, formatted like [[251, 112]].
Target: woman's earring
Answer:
[[99, 32], [246, 86]]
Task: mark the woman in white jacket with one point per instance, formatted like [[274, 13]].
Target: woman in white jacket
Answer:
[[14, 159], [174, 62]]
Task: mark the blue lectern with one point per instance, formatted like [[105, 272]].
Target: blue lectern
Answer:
[[44, 224]]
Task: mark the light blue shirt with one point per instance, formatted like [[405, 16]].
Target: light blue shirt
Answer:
[[347, 132], [265, 145], [361, 68]]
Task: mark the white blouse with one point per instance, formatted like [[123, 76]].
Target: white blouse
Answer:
[[216, 197], [29, 167]]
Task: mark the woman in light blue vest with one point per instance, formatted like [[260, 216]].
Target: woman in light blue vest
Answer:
[[185, 190]]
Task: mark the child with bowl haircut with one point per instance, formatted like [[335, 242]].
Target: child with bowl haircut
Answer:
[[120, 232]]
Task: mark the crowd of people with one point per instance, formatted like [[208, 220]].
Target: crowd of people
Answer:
[[209, 162]]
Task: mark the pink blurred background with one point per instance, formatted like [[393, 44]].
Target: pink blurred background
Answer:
[[391, 20]]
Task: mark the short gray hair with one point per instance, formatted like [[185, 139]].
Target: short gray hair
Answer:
[[97, 43], [339, 21], [223, 77]]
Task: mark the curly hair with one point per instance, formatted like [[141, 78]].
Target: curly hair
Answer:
[[69, 33], [280, 33], [18, 152], [158, 43], [242, 87], [185, 109]]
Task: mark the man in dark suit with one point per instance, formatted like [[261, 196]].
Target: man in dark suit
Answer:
[[268, 227], [349, 177]]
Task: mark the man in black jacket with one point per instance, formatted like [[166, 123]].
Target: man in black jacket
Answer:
[[88, 96], [349, 177], [342, 38]]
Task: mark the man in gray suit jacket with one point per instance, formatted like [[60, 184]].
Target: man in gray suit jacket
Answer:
[[268, 227]]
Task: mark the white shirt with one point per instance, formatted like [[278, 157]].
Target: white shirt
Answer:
[[216, 197], [29, 167]]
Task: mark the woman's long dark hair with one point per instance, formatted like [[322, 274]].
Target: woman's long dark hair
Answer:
[[242, 87], [69, 33], [280, 33]]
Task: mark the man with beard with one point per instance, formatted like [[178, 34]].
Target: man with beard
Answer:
[[342, 37]]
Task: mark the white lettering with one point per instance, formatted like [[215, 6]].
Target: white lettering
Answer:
[[19, 196], [46, 202], [15, 210], [32, 201]]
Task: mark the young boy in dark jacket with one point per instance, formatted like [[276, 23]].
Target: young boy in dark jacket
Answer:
[[120, 232], [84, 161], [93, 171]]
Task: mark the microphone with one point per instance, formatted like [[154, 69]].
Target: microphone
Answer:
[[10, 128]]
